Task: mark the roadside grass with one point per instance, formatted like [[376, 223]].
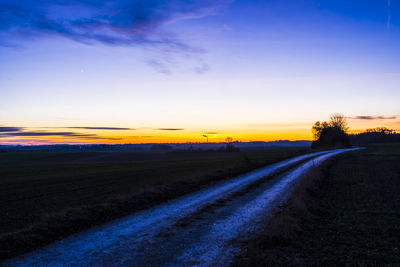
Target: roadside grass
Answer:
[[46, 196], [345, 213]]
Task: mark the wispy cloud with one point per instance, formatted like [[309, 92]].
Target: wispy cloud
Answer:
[[12, 132], [100, 128], [40, 133], [10, 129], [202, 68], [139, 23], [170, 129], [116, 23], [159, 65], [373, 117]]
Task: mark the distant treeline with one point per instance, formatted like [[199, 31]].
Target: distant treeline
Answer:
[[375, 135], [226, 148], [334, 134]]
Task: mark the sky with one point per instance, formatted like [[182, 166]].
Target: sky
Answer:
[[85, 71]]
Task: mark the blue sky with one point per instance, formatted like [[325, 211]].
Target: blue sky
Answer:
[[248, 69]]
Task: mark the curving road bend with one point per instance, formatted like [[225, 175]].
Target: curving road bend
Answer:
[[197, 229]]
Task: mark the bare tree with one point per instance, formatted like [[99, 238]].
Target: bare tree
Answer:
[[338, 121], [228, 139], [229, 145]]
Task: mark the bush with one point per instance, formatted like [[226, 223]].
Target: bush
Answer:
[[331, 134], [332, 137]]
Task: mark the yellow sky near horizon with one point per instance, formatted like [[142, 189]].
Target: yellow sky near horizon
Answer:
[[243, 133]]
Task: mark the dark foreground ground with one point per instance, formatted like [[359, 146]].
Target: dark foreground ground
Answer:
[[346, 214], [45, 196]]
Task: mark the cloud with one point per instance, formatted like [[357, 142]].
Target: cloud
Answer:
[[202, 68], [34, 134], [211, 133], [40, 133], [373, 117], [107, 138], [25, 133], [159, 66], [10, 129], [100, 128], [170, 129], [115, 23]]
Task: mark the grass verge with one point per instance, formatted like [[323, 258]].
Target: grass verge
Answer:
[[345, 213]]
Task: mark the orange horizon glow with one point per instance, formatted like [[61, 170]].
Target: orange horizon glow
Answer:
[[291, 132]]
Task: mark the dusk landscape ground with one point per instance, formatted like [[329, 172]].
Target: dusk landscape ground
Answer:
[[347, 207], [199, 133], [49, 195]]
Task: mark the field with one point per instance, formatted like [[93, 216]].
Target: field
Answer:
[[346, 214], [49, 195]]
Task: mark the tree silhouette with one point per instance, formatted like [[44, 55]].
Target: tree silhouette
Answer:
[[338, 121], [318, 128], [375, 135], [332, 133], [229, 146], [381, 130]]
